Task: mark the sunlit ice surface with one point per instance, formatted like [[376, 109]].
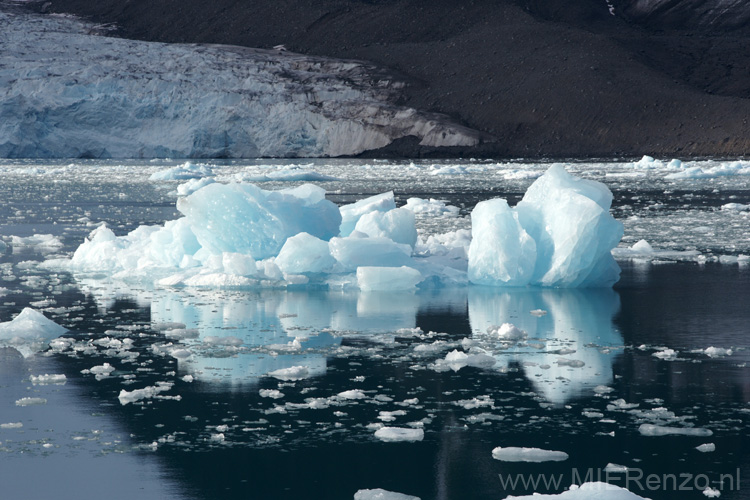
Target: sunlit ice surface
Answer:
[[233, 392]]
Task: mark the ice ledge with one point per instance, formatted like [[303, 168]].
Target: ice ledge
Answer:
[[67, 93]]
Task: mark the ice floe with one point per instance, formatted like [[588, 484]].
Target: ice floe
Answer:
[[516, 454]]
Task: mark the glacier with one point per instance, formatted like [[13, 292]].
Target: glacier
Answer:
[[66, 92], [238, 235]]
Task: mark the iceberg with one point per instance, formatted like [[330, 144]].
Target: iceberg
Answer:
[[29, 332], [237, 235], [559, 235]]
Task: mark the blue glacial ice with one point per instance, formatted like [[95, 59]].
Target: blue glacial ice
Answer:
[[29, 332], [238, 235], [560, 235], [132, 99]]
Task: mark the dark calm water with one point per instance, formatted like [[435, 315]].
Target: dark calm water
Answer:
[[583, 382]]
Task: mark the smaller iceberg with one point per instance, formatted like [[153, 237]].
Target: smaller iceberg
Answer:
[[29, 332], [561, 234]]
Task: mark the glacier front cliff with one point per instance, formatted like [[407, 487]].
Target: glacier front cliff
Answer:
[[65, 92]]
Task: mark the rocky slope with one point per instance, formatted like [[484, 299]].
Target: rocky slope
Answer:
[[543, 77]]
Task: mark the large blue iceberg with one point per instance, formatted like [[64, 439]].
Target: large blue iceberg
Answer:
[[238, 235]]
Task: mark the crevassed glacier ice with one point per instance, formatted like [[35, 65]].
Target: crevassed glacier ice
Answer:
[[132, 99], [559, 235]]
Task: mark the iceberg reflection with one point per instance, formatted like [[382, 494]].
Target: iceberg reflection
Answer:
[[570, 335], [238, 336]]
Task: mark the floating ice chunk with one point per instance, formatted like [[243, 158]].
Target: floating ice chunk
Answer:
[[647, 162], [515, 454], [711, 492], [304, 253], [661, 430], [187, 170], [288, 175], [603, 389], [666, 354], [100, 371], [381, 494], [37, 242], [708, 172], [352, 252], [706, 447], [507, 331], [387, 278], [11, 425], [180, 353], [290, 374], [193, 185], [642, 249], [350, 214], [271, 393], [127, 397], [48, 379], [393, 434], [642, 246], [431, 207], [559, 235], [223, 341], [615, 468], [735, 207], [717, 352], [457, 169], [352, 394], [243, 218], [397, 225], [31, 401], [521, 174], [455, 360], [29, 332], [586, 491]]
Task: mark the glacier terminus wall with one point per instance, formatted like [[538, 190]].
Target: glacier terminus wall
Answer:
[[67, 92]]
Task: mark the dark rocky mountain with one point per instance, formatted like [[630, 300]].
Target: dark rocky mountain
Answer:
[[545, 78]]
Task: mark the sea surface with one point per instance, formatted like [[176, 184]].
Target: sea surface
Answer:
[[599, 372]]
